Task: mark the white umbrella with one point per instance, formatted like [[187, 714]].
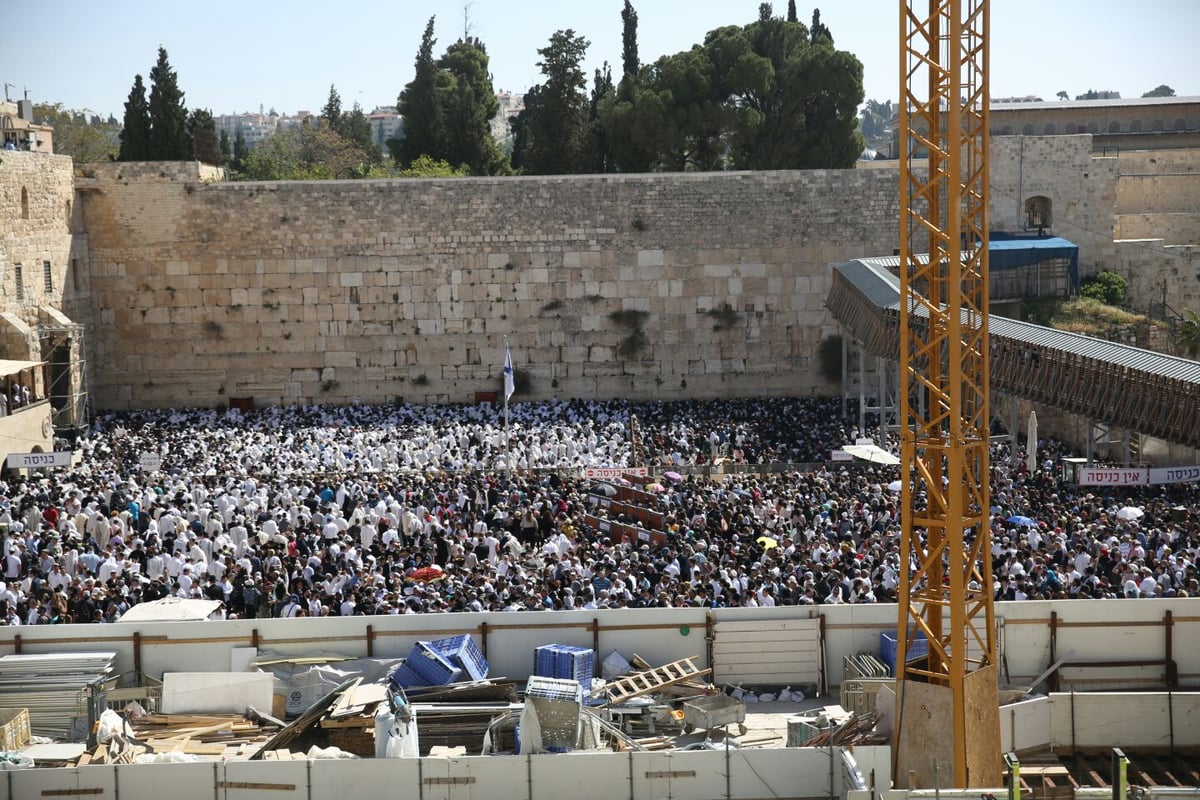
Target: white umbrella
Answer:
[[1130, 513], [894, 486], [1031, 443], [871, 453]]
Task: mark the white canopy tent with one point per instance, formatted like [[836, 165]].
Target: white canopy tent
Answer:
[[872, 453], [174, 609]]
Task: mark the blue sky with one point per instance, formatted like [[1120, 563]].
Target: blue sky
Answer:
[[236, 56]]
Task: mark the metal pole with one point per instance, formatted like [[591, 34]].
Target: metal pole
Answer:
[[507, 457], [1014, 776]]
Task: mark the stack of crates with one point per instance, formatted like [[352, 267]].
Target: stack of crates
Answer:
[[463, 651], [887, 649], [440, 662], [566, 662]]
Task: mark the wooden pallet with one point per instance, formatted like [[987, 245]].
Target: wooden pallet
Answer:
[[651, 680]]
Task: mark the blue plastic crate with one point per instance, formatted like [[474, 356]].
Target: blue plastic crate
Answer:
[[544, 660], [435, 668], [405, 677], [567, 662], [887, 649], [463, 652], [575, 663]]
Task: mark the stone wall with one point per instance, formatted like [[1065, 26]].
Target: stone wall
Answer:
[[1086, 191], [678, 286], [36, 197]]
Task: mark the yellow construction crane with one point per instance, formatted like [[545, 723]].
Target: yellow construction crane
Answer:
[[947, 717]]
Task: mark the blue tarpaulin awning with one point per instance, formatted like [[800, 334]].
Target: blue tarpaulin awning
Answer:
[[1013, 253]]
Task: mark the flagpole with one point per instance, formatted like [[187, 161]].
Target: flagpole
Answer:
[[509, 380]]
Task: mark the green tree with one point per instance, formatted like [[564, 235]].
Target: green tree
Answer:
[[1107, 287], [226, 148], [1162, 90], [424, 128], [1062, 95], [468, 104], [818, 31], [1187, 335], [310, 151], [598, 155], [762, 96], [792, 17], [630, 64], [135, 133], [240, 151], [357, 128], [792, 102], [332, 111], [169, 140], [202, 130], [426, 167], [76, 136], [552, 132]]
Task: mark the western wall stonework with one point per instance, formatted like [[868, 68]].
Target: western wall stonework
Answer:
[[648, 286]]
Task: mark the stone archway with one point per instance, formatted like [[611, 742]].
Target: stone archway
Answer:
[[1038, 213]]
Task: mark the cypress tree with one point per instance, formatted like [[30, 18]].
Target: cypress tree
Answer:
[[206, 146], [332, 112], [630, 63], [135, 135], [424, 126], [169, 139]]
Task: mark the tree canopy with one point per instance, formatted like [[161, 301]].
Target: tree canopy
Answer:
[[202, 130], [78, 136], [769, 95], [448, 109], [169, 139], [424, 131], [135, 135], [310, 151], [552, 131], [1162, 90]]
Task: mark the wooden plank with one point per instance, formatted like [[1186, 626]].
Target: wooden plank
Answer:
[[305, 720], [774, 657], [798, 625], [794, 640]]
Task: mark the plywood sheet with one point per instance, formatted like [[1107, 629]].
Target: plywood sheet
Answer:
[[984, 762], [925, 751], [767, 652]]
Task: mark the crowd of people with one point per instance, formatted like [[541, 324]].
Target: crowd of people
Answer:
[[326, 511]]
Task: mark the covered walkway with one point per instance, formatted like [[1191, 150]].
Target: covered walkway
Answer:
[[1124, 386]]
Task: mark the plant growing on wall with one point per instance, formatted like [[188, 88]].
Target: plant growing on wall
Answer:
[[1187, 335], [1107, 287], [632, 320], [724, 317], [829, 358]]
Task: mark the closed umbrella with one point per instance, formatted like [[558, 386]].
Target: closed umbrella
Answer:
[[1031, 443]]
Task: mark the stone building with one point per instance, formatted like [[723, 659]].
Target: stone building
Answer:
[[1115, 124]]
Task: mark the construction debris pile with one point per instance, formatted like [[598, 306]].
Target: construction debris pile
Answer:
[[439, 700]]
